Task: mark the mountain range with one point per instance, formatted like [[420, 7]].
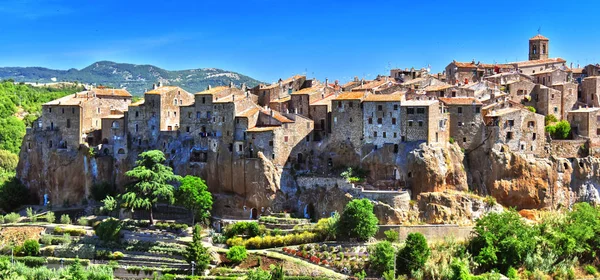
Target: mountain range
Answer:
[[135, 78]]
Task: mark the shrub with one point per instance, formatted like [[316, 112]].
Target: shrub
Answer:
[[1, 219], [548, 119], [360, 275], [50, 218], [70, 231], [13, 194], [358, 220], [116, 255], [258, 274], [381, 257], [109, 230], [235, 241], [82, 221], [31, 247], [391, 235], [326, 227], [249, 229], [196, 252], [490, 201], [531, 108], [12, 218], [414, 254], [65, 220], [31, 215], [560, 130], [451, 140], [591, 270], [237, 254], [32, 261]]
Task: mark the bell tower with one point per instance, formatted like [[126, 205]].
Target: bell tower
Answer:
[[539, 47]]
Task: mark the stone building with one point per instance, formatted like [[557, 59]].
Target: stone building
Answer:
[[546, 101], [539, 47], [516, 127], [470, 72], [584, 122], [568, 95], [320, 113], [281, 89], [466, 121], [551, 76], [381, 85], [591, 70], [405, 75], [75, 117], [590, 91], [520, 90], [381, 121], [347, 118], [423, 121]]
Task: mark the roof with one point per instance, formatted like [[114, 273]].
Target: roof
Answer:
[[162, 90], [472, 64], [325, 101], [231, 98], [419, 102], [278, 116], [262, 129], [137, 103], [69, 100], [351, 95], [504, 111], [111, 92], [288, 80], [438, 87], [539, 37], [460, 101], [281, 100], [545, 71], [577, 70], [248, 113], [585, 110], [120, 116], [383, 97], [308, 90], [213, 90], [539, 61], [372, 84]]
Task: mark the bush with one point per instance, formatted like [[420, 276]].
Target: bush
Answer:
[[83, 221], [32, 261], [50, 218], [531, 108], [381, 257], [196, 252], [116, 255], [12, 218], [12, 194], [237, 254], [413, 255], [358, 220], [249, 229], [391, 235], [109, 230], [31, 215], [258, 274], [259, 242], [31, 247], [326, 227], [65, 220], [451, 140], [70, 231], [548, 119], [1, 219], [512, 273], [560, 130]]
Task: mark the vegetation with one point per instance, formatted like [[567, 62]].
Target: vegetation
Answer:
[[50, 217], [31, 248], [249, 229], [382, 257], [11, 218], [560, 130], [196, 252], [391, 235], [358, 220], [327, 227], [109, 230], [65, 220], [549, 119], [152, 182], [531, 108], [413, 255], [193, 194], [237, 254]]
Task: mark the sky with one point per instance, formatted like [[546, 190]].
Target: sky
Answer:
[[272, 39]]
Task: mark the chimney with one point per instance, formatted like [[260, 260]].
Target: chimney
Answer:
[[244, 87], [326, 82], [571, 65], [159, 83], [230, 84], [356, 78], [233, 97], [208, 87], [296, 111]]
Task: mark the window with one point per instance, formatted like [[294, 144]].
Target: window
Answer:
[[187, 129], [350, 119], [174, 114], [410, 123], [271, 143], [395, 135], [285, 139], [509, 135], [375, 134], [198, 115], [379, 107], [175, 101], [49, 109], [459, 123], [98, 110], [410, 110], [370, 120], [384, 134], [464, 139], [136, 127], [555, 109], [115, 124], [477, 110], [68, 123], [203, 100], [339, 104], [153, 127], [511, 123], [137, 114], [420, 123], [350, 104], [421, 110], [459, 110], [534, 136], [379, 121], [531, 124], [395, 107], [393, 121], [63, 110]]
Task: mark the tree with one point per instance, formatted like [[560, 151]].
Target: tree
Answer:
[[358, 220], [381, 257], [8, 160], [31, 247], [109, 230], [12, 194], [110, 204], [152, 182], [193, 194], [413, 255], [530, 108], [196, 252], [237, 254], [12, 131]]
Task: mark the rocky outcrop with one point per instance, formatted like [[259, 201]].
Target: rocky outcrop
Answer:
[[434, 169], [454, 207]]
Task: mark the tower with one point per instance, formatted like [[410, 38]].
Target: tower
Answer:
[[539, 47]]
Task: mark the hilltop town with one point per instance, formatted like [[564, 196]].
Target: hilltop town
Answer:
[[408, 135]]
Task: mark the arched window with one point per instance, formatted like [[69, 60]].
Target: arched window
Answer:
[[121, 151], [534, 49], [115, 124], [544, 49], [175, 101]]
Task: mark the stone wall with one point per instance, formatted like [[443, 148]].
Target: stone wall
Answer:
[[381, 123], [569, 148], [431, 232]]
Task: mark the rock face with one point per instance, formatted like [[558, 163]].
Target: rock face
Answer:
[[453, 208]]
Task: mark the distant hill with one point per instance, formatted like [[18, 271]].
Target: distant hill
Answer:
[[136, 78]]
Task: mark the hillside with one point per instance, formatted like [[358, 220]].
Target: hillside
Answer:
[[136, 78]]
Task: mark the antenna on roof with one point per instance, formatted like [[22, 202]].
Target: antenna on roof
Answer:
[[539, 30]]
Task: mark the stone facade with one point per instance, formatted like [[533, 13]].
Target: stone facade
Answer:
[[347, 118], [547, 101], [539, 47], [584, 122], [466, 121], [278, 90], [381, 122], [568, 95], [590, 91], [518, 128], [424, 121]]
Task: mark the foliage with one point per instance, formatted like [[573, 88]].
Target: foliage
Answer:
[[31, 215], [560, 130], [258, 274], [12, 131], [8, 160], [591, 270], [82, 221], [152, 182], [109, 230], [237, 254], [110, 204], [11, 217], [196, 252], [70, 231], [354, 175], [512, 273], [249, 229], [451, 140], [31, 247], [326, 227], [101, 190], [381, 257], [530, 108], [414, 254], [193, 194], [490, 201], [501, 240], [360, 275], [50, 217], [548, 119], [65, 220], [391, 235], [12, 194], [358, 220], [261, 242], [277, 272]]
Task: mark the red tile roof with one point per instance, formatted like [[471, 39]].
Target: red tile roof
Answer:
[[539, 37], [460, 100], [351, 95], [539, 61]]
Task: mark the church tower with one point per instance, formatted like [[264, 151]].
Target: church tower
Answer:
[[539, 47]]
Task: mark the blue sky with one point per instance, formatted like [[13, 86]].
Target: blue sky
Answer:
[[269, 39]]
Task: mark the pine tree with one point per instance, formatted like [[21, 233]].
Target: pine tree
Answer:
[[196, 252]]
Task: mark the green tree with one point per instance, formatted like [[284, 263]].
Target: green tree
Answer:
[[381, 257], [110, 204], [413, 255], [237, 254], [152, 182], [196, 252], [358, 220], [193, 194], [109, 230], [12, 131], [8, 160], [501, 240], [12, 194], [530, 108], [31, 247], [391, 235], [548, 119]]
